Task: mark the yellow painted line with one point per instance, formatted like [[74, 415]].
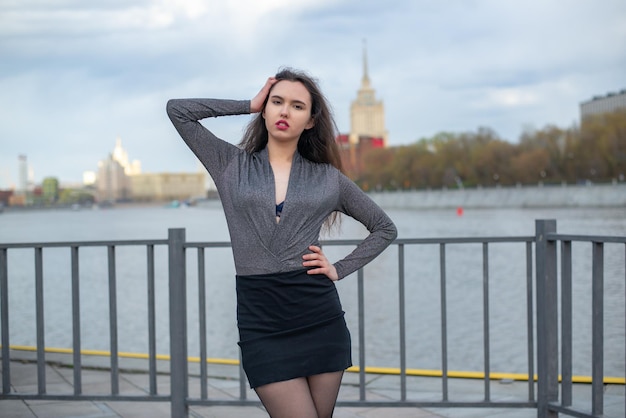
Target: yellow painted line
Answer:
[[353, 369], [477, 375], [122, 354]]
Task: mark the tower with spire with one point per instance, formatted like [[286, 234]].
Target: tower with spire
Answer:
[[367, 115], [121, 156]]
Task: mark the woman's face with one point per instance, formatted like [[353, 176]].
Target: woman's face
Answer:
[[288, 111]]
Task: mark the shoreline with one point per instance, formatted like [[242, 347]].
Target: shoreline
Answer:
[[500, 197], [538, 197]]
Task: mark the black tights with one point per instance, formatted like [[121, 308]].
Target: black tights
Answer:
[[305, 397]]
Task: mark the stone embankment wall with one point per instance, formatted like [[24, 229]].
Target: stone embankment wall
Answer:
[[607, 195]]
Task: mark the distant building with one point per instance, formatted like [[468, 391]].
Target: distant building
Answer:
[[113, 177], [5, 196], [17, 200], [113, 184], [118, 179], [367, 126], [22, 185], [121, 156], [168, 186], [367, 115], [603, 104], [50, 189]]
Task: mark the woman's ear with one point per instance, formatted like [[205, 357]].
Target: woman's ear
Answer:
[[310, 124]]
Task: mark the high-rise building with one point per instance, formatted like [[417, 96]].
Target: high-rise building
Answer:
[[121, 156], [367, 126], [603, 104], [367, 115], [113, 183]]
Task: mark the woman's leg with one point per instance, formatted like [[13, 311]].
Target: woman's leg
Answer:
[[324, 391], [311, 397], [288, 399]]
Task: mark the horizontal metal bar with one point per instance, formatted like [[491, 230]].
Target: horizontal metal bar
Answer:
[[83, 243], [452, 240], [439, 404], [223, 402], [382, 404], [236, 402], [464, 240], [569, 411], [587, 238], [212, 244], [226, 244], [121, 398]]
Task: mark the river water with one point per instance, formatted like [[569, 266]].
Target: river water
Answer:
[[464, 287]]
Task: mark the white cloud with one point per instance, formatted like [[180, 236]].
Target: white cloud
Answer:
[[507, 97]]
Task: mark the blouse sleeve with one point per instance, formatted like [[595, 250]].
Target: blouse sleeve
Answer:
[[212, 151], [358, 205]]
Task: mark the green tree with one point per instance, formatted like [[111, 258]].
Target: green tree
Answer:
[[603, 145], [594, 151]]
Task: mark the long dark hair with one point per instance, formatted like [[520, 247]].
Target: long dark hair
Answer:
[[316, 144]]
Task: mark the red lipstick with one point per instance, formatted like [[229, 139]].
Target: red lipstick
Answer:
[[282, 124]]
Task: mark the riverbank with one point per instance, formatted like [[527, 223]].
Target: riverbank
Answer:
[[552, 196], [542, 196]]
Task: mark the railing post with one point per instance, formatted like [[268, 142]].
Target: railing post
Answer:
[[361, 299], [178, 323], [40, 323], [4, 321], [597, 330], [547, 319], [76, 328]]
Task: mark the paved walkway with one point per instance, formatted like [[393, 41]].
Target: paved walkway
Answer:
[[96, 381]]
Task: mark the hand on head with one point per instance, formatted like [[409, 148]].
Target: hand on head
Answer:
[[256, 104]]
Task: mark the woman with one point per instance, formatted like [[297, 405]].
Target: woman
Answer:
[[278, 189]]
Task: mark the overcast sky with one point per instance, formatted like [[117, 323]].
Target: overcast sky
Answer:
[[76, 74]]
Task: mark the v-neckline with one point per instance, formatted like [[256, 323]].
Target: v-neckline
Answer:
[[278, 220]]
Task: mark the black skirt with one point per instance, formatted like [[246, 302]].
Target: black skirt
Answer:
[[290, 325]]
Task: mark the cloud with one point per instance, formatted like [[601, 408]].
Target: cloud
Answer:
[[507, 97], [76, 74]]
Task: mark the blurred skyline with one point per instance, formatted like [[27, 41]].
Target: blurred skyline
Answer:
[[76, 75]]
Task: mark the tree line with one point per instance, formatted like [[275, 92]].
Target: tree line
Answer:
[[594, 151]]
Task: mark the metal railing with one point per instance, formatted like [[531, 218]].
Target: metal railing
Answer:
[[548, 298], [74, 248], [541, 299]]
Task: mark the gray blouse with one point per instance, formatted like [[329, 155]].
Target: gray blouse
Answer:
[[245, 183]]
